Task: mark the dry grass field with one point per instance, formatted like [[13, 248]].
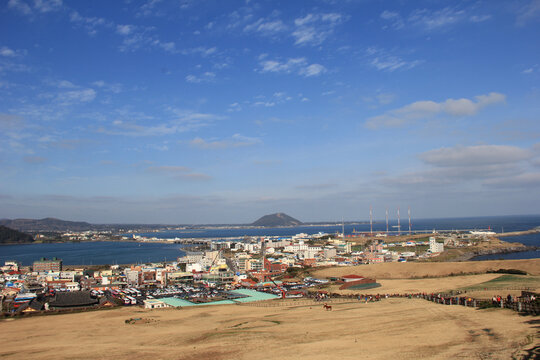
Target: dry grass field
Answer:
[[422, 270], [391, 328]]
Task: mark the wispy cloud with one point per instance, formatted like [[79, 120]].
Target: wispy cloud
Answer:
[[427, 108], [313, 29], [90, 24], [205, 77], [76, 96], [34, 159], [125, 29], [488, 165], [528, 12], [235, 141], [140, 125], [200, 50], [266, 26], [475, 155], [40, 6], [431, 19], [10, 53], [137, 38], [384, 61], [110, 87], [150, 8], [179, 172], [292, 65]]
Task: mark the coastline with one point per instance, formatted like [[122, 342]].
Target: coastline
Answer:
[[514, 249]]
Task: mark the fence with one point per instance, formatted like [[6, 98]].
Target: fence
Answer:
[[527, 307], [519, 305]]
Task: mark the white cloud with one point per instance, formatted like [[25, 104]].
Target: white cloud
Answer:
[[114, 88], [277, 66], [20, 5], [430, 19], [470, 166], [76, 96], [129, 123], [382, 60], [34, 159], [201, 50], [10, 122], [264, 103], [479, 18], [205, 77], [293, 65], [90, 24], [267, 27], [313, 29], [426, 108], [47, 5], [42, 6], [435, 19], [475, 155], [394, 17], [7, 52], [531, 69], [525, 180], [149, 8], [528, 12], [178, 172], [313, 70], [235, 141], [125, 29]]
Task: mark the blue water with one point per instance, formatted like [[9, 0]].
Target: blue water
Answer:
[[531, 240], [127, 252], [497, 223], [92, 253]]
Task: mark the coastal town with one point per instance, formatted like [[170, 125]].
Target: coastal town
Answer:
[[217, 272]]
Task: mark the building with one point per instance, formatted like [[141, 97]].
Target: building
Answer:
[[154, 304], [44, 265], [434, 246], [352, 277]]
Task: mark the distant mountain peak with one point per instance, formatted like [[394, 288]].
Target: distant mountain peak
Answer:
[[277, 219]]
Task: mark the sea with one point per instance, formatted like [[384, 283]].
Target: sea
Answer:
[[109, 252]]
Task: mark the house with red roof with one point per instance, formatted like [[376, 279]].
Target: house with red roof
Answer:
[[350, 278]]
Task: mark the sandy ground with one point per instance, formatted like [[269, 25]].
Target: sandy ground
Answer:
[[392, 328], [423, 269]]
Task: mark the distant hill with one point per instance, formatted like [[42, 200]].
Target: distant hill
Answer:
[[278, 219], [10, 236], [47, 224]]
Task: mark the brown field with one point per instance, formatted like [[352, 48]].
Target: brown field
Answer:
[[432, 285], [391, 328], [423, 269]]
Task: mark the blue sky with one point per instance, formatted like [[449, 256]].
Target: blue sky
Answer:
[[224, 111]]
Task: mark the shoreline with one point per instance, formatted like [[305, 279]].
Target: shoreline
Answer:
[[510, 250]]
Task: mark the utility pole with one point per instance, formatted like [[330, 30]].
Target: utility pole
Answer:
[[386, 221], [398, 222], [409, 211], [370, 220]]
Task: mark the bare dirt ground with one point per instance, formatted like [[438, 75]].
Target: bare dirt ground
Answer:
[[391, 328], [424, 269]]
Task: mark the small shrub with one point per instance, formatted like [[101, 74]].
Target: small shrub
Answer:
[[507, 271]]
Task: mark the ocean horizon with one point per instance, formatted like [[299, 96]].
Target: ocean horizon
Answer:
[[122, 252]]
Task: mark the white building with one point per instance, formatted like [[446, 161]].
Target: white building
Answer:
[[154, 304], [434, 246]]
